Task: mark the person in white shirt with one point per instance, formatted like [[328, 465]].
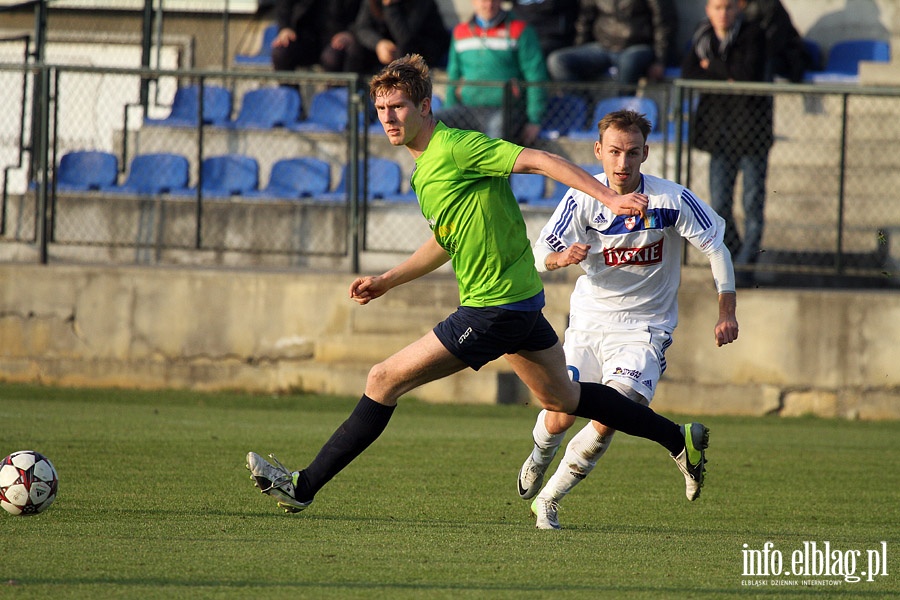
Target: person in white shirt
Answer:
[[624, 309]]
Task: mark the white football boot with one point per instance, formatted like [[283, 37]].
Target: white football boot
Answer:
[[276, 481]]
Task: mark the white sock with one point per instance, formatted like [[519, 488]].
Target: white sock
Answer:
[[582, 454], [545, 443]]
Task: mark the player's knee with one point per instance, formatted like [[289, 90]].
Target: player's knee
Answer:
[[558, 422], [380, 380]]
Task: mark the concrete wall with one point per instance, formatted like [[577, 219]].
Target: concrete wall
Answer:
[[820, 352]]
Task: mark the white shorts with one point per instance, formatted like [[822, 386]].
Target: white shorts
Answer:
[[635, 357]]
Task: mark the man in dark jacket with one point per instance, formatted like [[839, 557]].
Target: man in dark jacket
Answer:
[[786, 53], [736, 129], [633, 38], [313, 32], [388, 29], [554, 21]]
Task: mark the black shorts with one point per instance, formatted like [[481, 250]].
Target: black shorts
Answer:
[[477, 336]]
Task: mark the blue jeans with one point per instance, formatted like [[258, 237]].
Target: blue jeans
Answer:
[[592, 62], [723, 170]]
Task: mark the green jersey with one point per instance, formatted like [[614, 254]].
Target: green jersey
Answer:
[[462, 182]]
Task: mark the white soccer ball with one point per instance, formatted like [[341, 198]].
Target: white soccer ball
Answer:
[[28, 483]]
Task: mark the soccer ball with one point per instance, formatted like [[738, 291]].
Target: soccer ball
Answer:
[[28, 483]]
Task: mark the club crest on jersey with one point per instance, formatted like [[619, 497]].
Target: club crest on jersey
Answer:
[[649, 221]]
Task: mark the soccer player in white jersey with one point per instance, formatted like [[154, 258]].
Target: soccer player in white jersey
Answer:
[[624, 308]]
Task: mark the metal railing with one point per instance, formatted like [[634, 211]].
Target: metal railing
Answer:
[[830, 215]]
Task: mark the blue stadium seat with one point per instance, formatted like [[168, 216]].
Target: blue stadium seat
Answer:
[[160, 173], [842, 64], [267, 108], [640, 104], [302, 177], [84, 170], [844, 57], [264, 56], [671, 72], [527, 187], [226, 175], [384, 175], [563, 114], [327, 112], [185, 107]]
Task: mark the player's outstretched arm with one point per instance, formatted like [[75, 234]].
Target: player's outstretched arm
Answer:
[[566, 172], [426, 259]]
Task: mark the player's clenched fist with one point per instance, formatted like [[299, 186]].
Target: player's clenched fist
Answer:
[[572, 255], [365, 289]]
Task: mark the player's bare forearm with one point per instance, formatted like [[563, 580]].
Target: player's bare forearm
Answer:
[[727, 325], [572, 255], [566, 172], [426, 259]]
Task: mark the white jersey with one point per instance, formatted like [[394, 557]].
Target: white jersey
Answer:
[[633, 268]]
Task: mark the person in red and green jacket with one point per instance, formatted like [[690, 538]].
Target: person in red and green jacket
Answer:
[[495, 46]]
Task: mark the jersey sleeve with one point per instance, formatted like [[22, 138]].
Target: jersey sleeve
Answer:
[[477, 154], [562, 230], [699, 224]]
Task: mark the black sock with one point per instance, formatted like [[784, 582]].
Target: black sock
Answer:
[[604, 404], [361, 428]]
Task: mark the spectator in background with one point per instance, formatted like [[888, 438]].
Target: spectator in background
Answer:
[[388, 29], [313, 32], [736, 129], [495, 46], [554, 21], [636, 37], [787, 55]]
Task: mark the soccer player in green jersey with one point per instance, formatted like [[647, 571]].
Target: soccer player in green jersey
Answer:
[[462, 182]]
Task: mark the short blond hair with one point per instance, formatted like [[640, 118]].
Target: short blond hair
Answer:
[[623, 120], [409, 74]]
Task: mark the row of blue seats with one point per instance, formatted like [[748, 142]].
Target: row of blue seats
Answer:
[[238, 175], [270, 107], [261, 108], [222, 176]]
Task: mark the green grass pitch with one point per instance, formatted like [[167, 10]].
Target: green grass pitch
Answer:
[[155, 502]]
